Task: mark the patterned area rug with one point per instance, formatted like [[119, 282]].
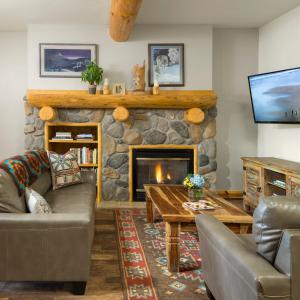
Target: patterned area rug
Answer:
[[144, 264]]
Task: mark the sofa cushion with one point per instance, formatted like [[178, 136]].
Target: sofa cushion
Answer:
[[64, 169], [36, 203], [43, 183], [10, 201], [271, 217], [79, 198]]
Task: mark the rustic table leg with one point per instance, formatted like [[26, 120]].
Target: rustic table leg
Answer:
[[150, 210], [244, 228], [172, 246]]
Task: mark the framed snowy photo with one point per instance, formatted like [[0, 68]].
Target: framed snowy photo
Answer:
[[65, 60], [166, 64]]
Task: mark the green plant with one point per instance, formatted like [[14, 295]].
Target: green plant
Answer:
[[92, 74]]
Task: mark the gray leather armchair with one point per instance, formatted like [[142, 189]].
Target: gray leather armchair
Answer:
[[263, 265]]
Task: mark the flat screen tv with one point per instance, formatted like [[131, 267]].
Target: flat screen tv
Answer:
[[275, 96]]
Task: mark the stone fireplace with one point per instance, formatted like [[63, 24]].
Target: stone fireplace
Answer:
[[155, 127]]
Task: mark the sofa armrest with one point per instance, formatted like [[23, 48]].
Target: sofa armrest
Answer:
[[231, 269], [287, 259], [40, 247], [89, 177]]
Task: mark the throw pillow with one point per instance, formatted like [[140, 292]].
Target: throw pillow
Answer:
[[64, 169], [36, 203], [270, 218]]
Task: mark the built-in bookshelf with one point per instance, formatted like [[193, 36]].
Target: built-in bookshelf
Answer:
[[88, 151]]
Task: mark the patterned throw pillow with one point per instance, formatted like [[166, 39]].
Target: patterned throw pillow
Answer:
[[36, 203], [64, 169]]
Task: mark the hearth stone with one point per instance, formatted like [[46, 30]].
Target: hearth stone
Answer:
[[155, 137], [180, 128], [157, 126]]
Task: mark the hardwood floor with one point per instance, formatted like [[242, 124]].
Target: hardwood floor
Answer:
[[104, 282]]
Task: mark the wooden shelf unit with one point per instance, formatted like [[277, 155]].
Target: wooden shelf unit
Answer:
[[260, 175], [63, 146]]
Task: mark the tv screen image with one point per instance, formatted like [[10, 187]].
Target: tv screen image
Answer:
[[275, 96]]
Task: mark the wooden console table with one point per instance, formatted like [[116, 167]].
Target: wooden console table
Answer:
[[267, 176]]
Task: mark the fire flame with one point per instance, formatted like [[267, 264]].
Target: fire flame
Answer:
[[158, 173], [169, 176]]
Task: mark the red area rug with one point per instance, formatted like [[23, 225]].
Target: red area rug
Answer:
[[144, 265]]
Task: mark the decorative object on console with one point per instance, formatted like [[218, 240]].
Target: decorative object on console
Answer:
[[119, 89], [93, 75], [194, 184], [155, 90], [36, 203], [106, 90], [166, 64], [65, 60], [64, 169], [139, 77]]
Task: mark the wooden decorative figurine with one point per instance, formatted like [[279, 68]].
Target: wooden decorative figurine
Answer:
[[106, 90], [139, 77]]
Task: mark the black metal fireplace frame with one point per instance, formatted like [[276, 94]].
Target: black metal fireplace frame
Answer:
[[169, 153]]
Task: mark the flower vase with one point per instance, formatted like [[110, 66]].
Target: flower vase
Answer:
[[195, 194]]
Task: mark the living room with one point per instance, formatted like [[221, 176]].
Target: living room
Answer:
[[149, 149]]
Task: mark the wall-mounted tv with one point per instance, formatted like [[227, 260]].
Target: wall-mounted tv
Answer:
[[275, 96]]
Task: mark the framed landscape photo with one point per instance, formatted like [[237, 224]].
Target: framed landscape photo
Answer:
[[65, 60], [166, 64]]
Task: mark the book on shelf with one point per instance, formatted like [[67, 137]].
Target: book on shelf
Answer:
[[84, 136], [62, 136], [86, 155]]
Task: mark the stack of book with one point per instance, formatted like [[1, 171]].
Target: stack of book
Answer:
[[279, 183], [63, 136], [86, 155], [84, 136]]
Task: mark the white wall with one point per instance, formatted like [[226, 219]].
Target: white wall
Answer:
[[13, 66], [235, 56], [279, 48], [118, 59]]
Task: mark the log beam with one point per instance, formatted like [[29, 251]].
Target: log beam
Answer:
[[194, 115], [121, 114], [122, 17], [47, 113]]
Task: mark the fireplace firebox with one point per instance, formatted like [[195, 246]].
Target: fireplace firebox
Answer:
[[164, 166]]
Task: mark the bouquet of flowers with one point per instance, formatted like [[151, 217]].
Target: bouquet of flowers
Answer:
[[194, 181], [195, 184]]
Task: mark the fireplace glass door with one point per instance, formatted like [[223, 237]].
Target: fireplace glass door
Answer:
[[163, 166]]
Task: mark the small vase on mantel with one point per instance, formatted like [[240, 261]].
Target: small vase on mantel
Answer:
[[106, 90], [155, 90]]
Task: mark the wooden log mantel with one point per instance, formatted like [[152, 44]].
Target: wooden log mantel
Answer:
[[167, 99]]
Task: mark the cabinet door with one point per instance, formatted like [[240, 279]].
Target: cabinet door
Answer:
[[293, 186], [252, 184]]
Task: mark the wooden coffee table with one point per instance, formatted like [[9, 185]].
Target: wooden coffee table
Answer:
[[167, 201]]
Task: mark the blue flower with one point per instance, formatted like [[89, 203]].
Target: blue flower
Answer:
[[198, 181]]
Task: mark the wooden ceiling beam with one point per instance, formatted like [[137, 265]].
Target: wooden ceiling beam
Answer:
[[122, 17]]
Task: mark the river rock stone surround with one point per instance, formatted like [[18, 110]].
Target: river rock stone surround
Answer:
[[150, 126]]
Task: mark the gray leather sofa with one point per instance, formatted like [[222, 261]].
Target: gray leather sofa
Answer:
[[47, 247], [262, 265]]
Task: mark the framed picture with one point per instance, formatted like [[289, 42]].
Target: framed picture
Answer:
[[166, 64], [119, 89], [65, 60]]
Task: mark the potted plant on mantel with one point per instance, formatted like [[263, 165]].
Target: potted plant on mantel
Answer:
[[93, 75]]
